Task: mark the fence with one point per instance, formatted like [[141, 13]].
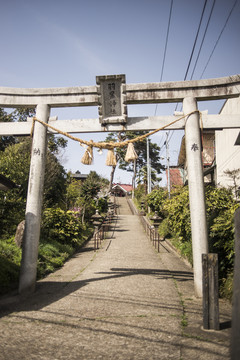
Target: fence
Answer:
[[101, 230], [150, 230]]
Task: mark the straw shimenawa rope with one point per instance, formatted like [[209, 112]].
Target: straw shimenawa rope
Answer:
[[110, 145]]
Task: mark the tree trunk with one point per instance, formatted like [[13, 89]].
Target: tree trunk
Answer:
[[83, 214], [134, 178], [112, 176]]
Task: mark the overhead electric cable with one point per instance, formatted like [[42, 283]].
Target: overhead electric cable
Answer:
[[196, 37], [166, 43], [165, 49], [195, 41], [230, 13], [199, 51]]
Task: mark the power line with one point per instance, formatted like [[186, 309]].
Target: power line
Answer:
[[235, 3], [193, 49], [195, 41], [199, 51], [165, 48], [229, 158], [196, 37], [210, 15]]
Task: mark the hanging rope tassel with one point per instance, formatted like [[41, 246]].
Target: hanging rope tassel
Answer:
[[131, 154], [87, 158], [111, 158]]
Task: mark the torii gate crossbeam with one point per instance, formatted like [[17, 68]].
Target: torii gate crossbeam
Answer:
[[149, 93], [209, 121], [44, 99]]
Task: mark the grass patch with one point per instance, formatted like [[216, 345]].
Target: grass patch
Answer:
[[52, 254], [184, 319], [10, 259]]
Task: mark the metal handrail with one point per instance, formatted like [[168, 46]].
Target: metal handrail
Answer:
[[150, 230], [100, 232]]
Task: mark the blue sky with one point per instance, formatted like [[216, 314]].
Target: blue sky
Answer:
[[52, 43]]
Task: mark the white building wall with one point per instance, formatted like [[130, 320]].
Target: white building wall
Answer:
[[227, 154]]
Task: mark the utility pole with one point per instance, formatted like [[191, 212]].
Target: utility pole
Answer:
[[134, 178], [148, 169], [168, 171]]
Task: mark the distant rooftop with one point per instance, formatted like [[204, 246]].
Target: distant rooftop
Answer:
[[79, 176], [125, 187]]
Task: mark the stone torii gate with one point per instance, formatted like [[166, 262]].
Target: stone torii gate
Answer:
[[112, 95]]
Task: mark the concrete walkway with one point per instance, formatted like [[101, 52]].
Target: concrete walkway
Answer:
[[123, 302]]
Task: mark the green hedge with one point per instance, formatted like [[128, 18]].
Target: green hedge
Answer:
[[220, 207], [61, 236]]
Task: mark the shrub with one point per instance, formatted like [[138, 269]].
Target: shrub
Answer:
[[102, 205], [220, 208], [156, 200], [139, 196], [10, 258], [177, 213], [60, 225]]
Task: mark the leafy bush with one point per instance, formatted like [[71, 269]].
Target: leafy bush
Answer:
[[61, 236], [102, 205], [220, 208], [139, 196], [177, 212], [156, 200], [60, 225], [14, 164], [10, 259]]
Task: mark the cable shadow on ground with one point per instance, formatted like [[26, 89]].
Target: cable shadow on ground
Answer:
[[48, 292], [121, 330], [127, 323]]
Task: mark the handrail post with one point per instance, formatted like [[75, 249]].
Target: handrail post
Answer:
[[210, 291]]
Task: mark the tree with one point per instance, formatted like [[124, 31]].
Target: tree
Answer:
[[90, 188], [21, 114], [141, 150], [88, 194], [234, 175], [54, 182], [14, 164], [6, 140], [143, 177], [55, 143]]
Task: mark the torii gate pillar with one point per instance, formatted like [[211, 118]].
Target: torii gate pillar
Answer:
[[28, 270], [196, 190]]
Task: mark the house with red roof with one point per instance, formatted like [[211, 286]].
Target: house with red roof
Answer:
[[121, 189]]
